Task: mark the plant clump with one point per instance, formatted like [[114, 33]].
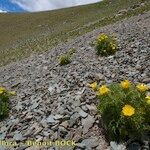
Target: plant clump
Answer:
[[66, 58], [4, 102], [125, 109], [106, 45]]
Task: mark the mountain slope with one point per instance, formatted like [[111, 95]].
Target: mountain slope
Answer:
[[24, 34], [53, 102]]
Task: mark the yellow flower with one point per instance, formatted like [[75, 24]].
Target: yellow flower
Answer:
[[142, 87], [125, 84], [93, 86], [2, 90], [13, 93], [105, 37], [102, 37], [148, 99], [99, 40], [103, 90], [148, 102], [128, 110], [113, 48]]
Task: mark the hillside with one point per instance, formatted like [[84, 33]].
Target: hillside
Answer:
[[24, 34], [53, 102]]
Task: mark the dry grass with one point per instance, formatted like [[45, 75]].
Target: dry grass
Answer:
[[24, 34]]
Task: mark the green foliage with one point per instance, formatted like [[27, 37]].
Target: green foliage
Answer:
[[66, 58], [71, 51], [4, 102], [125, 110], [106, 45]]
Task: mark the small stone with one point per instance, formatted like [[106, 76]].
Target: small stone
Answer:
[[62, 132], [51, 148], [2, 147], [33, 148], [50, 119], [113, 75], [146, 80], [44, 123], [52, 89], [91, 142], [84, 108], [115, 146], [38, 130], [77, 135], [83, 114], [92, 108], [39, 138], [73, 119], [54, 136], [110, 57], [45, 67], [87, 123], [14, 85], [35, 105], [80, 145], [77, 102], [29, 116], [2, 136], [65, 124], [57, 117], [138, 67], [81, 91], [60, 110], [18, 137], [148, 85]]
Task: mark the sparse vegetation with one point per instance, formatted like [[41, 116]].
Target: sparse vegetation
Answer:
[[125, 109], [20, 38], [106, 45], [4, 102], [66, 58], [71, 51]]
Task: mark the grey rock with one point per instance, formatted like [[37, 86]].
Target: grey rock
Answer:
[[2, 136], [84, 108], [78, 135], [57, 117], [90, 142], [65, 124], [2, 147], [146, 80], [18, 137], [87, 123], [33, 148], [62, 90], [74, 119], [83, 114], [80, 145], [51, 119], [92, 108], [115, 146], [35, 105], [51, 149]]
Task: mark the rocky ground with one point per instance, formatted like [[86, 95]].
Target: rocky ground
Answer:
[[53, 102]]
